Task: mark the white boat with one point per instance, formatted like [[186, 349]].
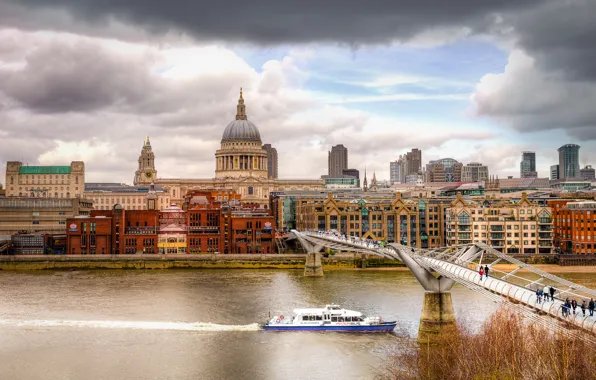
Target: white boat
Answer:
[[329, 318]]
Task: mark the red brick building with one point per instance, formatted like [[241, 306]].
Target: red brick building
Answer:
[[574, 226], [89, 235], [209, 222]]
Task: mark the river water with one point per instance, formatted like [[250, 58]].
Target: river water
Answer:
[[202, 324]]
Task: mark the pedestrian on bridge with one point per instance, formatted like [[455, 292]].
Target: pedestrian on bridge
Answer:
[[564, 310], [546, 293], [573, 305], [552, 293], [583, 308], [591, 306], [481, 272], [537, 295], [486, 269]]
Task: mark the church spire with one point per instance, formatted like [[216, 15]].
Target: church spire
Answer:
[[365, 184], [147, 143], [240, 108]]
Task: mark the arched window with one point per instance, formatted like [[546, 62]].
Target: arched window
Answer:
[[68, 195], [464, 218]]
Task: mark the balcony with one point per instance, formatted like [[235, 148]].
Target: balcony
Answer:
[[140, 230], [545, 244], [545, 220], [465, 228], [496, 228], [543, 236], [545, 228], [203, 230], [496, 243], [494, 236]]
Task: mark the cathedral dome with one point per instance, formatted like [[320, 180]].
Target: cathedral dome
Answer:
[[241, 129]]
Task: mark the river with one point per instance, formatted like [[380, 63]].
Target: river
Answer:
[[201, 324]]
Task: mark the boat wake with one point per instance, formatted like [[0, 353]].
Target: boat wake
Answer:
[[136, 325]]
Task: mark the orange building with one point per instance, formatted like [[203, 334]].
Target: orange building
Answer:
[[574, 226]]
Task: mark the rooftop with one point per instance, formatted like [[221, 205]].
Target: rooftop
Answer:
[[44, 170]]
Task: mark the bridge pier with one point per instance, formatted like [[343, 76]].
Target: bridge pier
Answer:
[[313, 266], [437, 316]]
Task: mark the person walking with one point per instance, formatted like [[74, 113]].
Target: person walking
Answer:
[[552, 293], [481, 272], [537, 296], [583, 306], [486, 269], [573, 305], [591, 307], [564, 310], [545, 292]]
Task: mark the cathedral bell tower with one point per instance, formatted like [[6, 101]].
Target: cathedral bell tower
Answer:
[[146, 173]]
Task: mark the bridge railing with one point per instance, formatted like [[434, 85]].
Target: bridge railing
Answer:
[[460, 263]]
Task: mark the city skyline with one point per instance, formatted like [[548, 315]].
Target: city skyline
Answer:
[[441, 85]]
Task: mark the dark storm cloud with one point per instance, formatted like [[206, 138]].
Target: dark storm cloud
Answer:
[[274, 21], [560, 36], [75, 77]]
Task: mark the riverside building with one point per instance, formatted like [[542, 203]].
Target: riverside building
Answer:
[[574, 226], [63, 182], [205, 224], [514, 228]]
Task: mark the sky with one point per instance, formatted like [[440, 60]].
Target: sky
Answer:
[[477, 81]]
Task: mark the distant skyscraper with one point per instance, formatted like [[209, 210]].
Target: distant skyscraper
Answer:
[[271, 161], [588, 173], [554, 172], [396, 170], [527, 167], [338, 161], [569, 161], [414, 162], [444, 170], [474, 172]]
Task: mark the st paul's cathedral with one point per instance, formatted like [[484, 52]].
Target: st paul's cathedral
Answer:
[[240, 165]]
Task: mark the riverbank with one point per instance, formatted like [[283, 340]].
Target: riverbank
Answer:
[[203, 261], [219, 261]]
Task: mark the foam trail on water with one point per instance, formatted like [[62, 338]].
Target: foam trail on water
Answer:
[[139, 325]]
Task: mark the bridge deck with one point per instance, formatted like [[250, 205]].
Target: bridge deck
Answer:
[[507, 288]]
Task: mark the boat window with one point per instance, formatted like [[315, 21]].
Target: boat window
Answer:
[[305, 317], [333, 319], [340, 319], [319, 318]]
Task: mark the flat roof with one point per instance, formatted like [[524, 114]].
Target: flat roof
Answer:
[[44, 170]]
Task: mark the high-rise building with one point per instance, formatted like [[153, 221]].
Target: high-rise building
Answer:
[[407, 164], [569, 161], [396, 170], [527, 167], [414, 162], [554, 172], [444, 170], [474, 172], [146, 173], [588, 173], [338, 161], [271, 161]]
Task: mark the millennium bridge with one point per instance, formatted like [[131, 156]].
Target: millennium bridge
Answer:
[[438, 269]]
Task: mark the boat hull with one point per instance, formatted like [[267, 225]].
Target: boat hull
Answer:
[[383, 327]]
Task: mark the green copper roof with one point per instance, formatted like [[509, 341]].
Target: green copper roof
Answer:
[[44, 170]]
